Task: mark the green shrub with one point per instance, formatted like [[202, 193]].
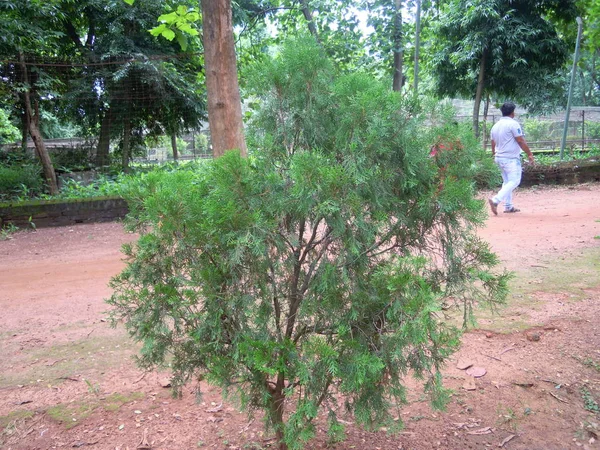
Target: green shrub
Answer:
[[538, 130], [73, 159], [8, 132], [592, 130], [101, 186], [318, 266], [24, 181]]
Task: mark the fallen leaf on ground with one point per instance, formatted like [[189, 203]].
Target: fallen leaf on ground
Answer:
[[214, 419], [463, 364], [476, 372], [507, 439], [469, 384], [217, 408], [144, 444]]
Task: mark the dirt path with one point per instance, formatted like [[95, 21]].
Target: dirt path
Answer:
[[67, 380]]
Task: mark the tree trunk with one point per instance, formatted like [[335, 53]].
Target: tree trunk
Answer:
[[24, 123], [486, 108], [309, 19], [417, 45], [103, 149], [126, 144], [583, 91], [277, 404], [174, 146], [224, 102], [36, 135], [397, 43], [479, 94]]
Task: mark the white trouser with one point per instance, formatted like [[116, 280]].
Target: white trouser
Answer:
[[511, 178]]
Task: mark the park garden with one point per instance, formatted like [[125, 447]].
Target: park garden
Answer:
[[313, 265]]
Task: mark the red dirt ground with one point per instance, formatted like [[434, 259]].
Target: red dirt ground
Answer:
[[67, 379]]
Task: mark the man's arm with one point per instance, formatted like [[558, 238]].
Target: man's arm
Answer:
[[521, 141], [493, 148]]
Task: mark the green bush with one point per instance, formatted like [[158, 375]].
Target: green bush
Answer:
[[592, 130], [25, 181], [316, 268], [8, 132], [73, 159], [538, 130]]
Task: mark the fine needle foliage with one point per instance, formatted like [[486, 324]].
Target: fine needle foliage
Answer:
[[311, 278]]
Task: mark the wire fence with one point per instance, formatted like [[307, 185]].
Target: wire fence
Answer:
[[544, 133]]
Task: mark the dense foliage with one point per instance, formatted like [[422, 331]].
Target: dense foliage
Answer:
[[8, 132], [20, 176], [317, 266], [502, 49]]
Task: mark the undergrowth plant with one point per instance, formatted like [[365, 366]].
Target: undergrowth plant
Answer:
[[310, 277]]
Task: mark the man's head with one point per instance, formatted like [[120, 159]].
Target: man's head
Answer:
[[507, 109]]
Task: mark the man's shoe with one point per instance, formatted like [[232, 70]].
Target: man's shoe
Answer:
[[512, 209], [493, 206]]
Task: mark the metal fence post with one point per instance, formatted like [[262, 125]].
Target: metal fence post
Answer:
[[583, 130], [575, 58]]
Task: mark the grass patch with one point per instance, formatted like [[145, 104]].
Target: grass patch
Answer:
[[570, 276], [589, 403], [7, 231], [50, 363], [588, 362], [115, 401], [14, 416], [11, 425], [72, 414]]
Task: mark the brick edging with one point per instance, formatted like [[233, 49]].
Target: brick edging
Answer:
[[51, 213]]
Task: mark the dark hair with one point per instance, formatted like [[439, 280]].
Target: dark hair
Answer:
[[508, 108]]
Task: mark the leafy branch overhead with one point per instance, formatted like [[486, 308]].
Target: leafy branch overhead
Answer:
[[178, 24]]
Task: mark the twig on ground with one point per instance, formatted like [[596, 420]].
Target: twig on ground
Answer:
[[50, 364], [140, 378], [246, 427], [68, 378], [144, 444], [507, 349], [558, 398], [216, 409], [507, 439]]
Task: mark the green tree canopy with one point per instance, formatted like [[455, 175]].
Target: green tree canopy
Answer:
[[501, 48]]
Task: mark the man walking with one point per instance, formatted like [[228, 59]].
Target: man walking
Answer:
[[507, 143]]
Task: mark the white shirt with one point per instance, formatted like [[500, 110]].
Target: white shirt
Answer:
[[504, 134]]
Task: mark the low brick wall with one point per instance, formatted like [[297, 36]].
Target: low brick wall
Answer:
[[573, 172], [52, 213], [48, 213]]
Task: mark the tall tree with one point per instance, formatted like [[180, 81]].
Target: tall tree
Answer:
[[499, 47], [124, 70], [589, 85], [23, 34], [398, 47], [334, 24], [417, 46], [224, 101], [388, 39]]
